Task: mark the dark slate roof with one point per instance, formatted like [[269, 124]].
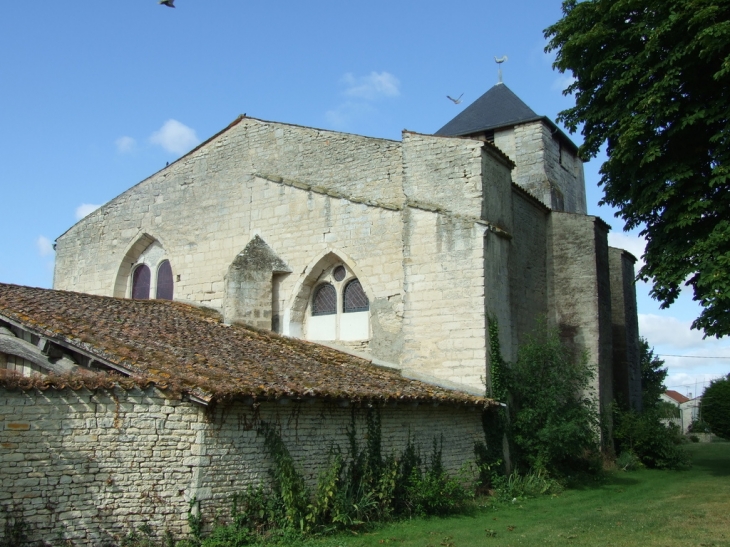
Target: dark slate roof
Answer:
[[188, 349], [498, 107]]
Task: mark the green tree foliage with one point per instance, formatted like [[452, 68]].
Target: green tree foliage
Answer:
[[715, 409], [650, 436], [554, 423], [653, 374], [651, 82]]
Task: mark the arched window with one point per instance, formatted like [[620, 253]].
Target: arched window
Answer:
[[340, 309], [141, 283], [355, 298], [164, 281], [325, 300]]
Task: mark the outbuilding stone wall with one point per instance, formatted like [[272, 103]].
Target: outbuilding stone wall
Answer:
[[90, 466]]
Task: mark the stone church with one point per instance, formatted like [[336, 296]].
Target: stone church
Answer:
[[368, 268], [397, 251]]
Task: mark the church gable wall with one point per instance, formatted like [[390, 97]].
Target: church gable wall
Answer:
[[206, 208], [204, 201], [93, 465]]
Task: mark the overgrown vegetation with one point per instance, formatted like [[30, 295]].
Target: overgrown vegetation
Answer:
[[15, 528], [649, 436], [649, 507], [551, 423], [356, 488]]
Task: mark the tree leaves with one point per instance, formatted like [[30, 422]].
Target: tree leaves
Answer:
[[652, 84]]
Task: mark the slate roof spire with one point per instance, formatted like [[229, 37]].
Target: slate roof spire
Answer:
[[498, 107]]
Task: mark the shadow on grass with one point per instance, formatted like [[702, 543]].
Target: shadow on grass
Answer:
[[606, 479], [711, 458]]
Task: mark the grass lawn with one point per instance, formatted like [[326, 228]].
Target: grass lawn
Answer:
[[647, 507]]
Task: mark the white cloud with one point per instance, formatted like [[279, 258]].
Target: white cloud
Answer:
[[175, 137], [675, 341], [85, 209], [669, 331], [372, 86], [44, 245], [632, 243], [125, 144]]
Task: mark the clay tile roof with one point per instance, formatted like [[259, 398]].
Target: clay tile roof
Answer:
[[676, 396], [167, 343]]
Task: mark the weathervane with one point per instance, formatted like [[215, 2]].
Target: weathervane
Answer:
[[499, 63]]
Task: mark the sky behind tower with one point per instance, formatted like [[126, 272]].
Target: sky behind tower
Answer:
[[97, 95]]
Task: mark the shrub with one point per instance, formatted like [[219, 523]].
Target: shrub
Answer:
[[554, 425], [647, 436], [715, 407], [528, 485], [655, 444], [15, 529], [628, 461], [699, 426]]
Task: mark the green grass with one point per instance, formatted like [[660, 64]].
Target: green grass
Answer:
[[645, 507]]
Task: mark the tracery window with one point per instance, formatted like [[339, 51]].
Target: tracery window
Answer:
[[354, 298], [339, 273], [339, 307], [164, 281], [141, 278], [150, 275], [325, 300]]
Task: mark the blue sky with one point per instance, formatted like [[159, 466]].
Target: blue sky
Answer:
[[96, 95]]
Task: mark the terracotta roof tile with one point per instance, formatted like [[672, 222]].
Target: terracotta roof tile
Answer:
[[676, 396], [173, 343]]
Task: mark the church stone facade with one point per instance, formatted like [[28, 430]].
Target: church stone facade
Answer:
[[396, 250]]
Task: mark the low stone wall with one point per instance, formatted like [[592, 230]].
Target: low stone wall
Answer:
[[90, 466]]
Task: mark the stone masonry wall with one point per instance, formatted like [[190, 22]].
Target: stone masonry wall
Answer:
[[91, 466], [311, 429], [579, 295], [209, 204], [205, 209], [543, 165], [443, 174], [444, 325], [626, 358], [528, 275]]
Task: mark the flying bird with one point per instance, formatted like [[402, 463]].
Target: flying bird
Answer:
[[168, 3], [457, 100]]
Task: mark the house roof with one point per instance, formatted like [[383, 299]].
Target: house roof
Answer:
[[676, 396], [188, 348]]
